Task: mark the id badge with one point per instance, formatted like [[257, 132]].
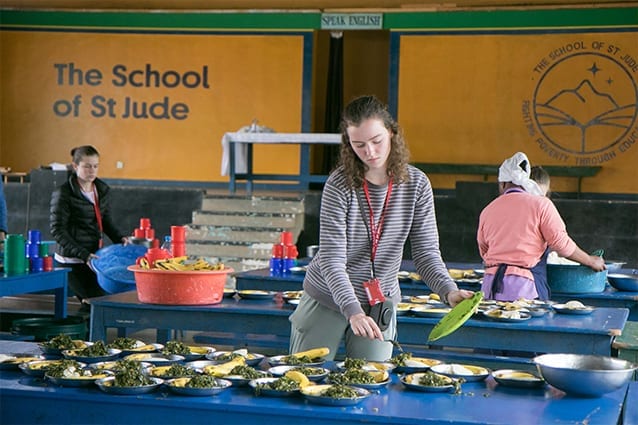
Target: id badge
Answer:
[[373, 291]]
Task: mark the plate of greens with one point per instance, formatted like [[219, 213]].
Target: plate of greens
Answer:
[[199, 385], [335, 394]]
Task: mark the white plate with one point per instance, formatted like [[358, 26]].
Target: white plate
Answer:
[[411, 381], [561, 308], [252, 359], [13, 360], [106, 385], [429, 311], [312, 393], [279, 361], [523, 317], [221, 385], [255, 383], [517, 378], [467, 372], [254, 294], [315, 377], [113, 353], [83, 381], [156, 359]]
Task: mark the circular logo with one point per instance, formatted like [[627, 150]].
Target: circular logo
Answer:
[[585, 103]]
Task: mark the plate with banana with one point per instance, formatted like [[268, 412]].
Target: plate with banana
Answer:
[[281, 386], [314, 374], [255, 294], [156, 359], [251, 359], [12, 361], [335, 394], [312, 357], [518, 378]]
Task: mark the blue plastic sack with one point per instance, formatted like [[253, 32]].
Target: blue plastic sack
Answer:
[[111, 267]]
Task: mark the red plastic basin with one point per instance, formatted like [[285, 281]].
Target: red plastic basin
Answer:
[[171, 287]]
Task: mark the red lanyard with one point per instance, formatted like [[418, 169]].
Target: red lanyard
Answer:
[[375, 230], [98, 215]]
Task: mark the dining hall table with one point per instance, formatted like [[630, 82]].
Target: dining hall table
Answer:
[[35, 400], [239, 321], [55, 280], [261, 279]]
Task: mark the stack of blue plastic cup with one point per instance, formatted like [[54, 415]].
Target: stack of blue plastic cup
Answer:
[[36, 263]]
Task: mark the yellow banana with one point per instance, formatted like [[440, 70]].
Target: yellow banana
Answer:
[[315, 353], [224, 369], [180, 382], [159, 370], [298, 377]]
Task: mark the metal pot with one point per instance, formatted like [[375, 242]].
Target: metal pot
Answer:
[[575, 279]]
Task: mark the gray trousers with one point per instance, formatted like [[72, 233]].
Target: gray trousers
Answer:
[[315, 326]]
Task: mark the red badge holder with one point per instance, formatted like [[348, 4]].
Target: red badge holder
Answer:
[[380, 308]]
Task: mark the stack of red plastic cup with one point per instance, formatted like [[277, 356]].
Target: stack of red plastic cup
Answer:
[[290, 252], [178, 240]]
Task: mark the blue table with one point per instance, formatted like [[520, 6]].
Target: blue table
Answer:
[[610, 297], [28, 400], [55, 280], [553, 333], [261, 279], [630, 411]]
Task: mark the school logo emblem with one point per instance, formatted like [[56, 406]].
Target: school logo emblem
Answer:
[[584, 106]]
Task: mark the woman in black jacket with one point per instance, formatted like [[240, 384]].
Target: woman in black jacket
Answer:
[[80, 216]]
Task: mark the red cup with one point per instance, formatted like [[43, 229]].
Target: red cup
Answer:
[[278, 251], [149, 233], [178, 234], [290, 251], [145, 223], [138, 233], [47, 264], [178, 248], [286, 238]]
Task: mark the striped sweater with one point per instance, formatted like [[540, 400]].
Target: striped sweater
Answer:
[[335, 275]]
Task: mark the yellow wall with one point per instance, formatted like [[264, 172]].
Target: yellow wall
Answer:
[[249, 77], [470, 99]]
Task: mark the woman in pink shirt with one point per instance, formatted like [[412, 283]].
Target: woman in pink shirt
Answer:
[[514, 231]]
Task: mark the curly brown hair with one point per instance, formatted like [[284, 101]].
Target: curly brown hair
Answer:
[[365, 108]]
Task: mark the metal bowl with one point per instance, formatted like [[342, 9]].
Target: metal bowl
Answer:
[[623, 282], [584, 374]]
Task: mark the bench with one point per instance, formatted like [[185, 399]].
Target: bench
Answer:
[[626, 344], [492, 170]]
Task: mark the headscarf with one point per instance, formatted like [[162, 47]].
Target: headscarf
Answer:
[[517, 170]]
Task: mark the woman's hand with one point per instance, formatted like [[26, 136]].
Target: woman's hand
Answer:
[[596, 263], [455, 297], [364, 326]]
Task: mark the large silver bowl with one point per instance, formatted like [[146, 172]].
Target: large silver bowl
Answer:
[[584, 375]]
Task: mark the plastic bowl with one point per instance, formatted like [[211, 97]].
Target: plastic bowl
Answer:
[[571, 279], [583, 374], [623, 281], [111, 267], [171, 287]]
